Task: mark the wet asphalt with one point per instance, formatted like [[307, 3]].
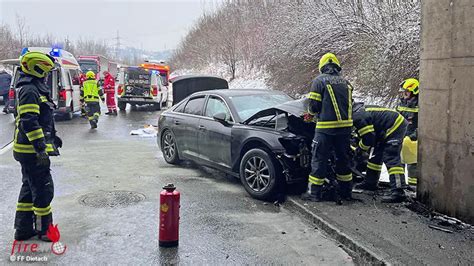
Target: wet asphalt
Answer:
[[220, 223]]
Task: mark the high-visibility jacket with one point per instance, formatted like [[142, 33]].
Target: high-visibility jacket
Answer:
[[91, 92], [331, 101], [375, 124], [34, 131], [409, 109]]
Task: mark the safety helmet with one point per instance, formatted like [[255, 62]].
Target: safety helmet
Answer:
[[410, 85], [90, 75], [329, 58], [36, 64]]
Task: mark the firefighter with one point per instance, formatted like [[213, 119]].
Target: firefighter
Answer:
[[34, 141], [384, 130], [109, 90], [408, 107], [90, 95], [330, 100]]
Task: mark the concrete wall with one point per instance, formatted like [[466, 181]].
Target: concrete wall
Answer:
[[446, 128]]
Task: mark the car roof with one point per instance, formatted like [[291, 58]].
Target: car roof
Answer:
[[237, 92]]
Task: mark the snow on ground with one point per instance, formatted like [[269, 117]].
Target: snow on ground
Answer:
[[245, 78]]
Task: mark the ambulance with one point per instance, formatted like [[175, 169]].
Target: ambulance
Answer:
[[64, 81]]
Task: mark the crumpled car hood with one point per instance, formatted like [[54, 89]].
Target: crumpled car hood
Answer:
[[296, 108]]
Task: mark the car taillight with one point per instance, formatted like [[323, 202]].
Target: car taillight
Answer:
[[155, 90], [62, 95], [120, 90], [11, 94]]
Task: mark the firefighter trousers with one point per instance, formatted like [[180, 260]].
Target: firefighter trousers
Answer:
[[388, 152], [412, 174], [325, 148], [33, 211], [110, 100], [93, 111]]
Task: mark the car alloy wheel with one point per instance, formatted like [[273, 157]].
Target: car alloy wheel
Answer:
[[257, 173], [169, 146]]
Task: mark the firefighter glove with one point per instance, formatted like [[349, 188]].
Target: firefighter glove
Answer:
[[42, 159], [58, 142]]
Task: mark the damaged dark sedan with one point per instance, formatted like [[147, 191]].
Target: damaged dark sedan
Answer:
[[257, 135]]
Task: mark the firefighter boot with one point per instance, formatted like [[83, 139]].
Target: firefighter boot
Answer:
[[370, 181], [93, 124], [345, 190], [314, 193], [396, 196], [21, 235]]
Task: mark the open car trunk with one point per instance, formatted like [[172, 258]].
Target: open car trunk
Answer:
[[183, 86]]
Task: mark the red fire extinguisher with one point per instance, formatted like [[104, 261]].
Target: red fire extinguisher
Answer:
[[169, 216]]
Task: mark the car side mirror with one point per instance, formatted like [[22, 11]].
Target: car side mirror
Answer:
[[221, 118]]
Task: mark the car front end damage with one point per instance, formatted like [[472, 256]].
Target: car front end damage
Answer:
[[295, 137], [296, 160]]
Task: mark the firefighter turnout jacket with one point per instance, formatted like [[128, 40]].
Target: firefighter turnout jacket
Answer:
[[331, 101], [91, 92], [409, 109], [383, 129], [376, 124], [35, 131]]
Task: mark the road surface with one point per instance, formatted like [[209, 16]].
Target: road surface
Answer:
[[100, 170]]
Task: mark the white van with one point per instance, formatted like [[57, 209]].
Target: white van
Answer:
[[64, 81]]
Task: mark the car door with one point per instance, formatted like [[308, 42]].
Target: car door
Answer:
[[185, 126], [76, 91], [214, 137]]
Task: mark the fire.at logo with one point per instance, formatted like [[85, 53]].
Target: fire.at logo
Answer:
[[53, 234], [26, 251]]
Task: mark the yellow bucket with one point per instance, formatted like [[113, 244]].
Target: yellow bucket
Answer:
[[409, 151]]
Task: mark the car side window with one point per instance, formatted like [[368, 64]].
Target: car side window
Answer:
[[215, 106], [194, 106], [180, 107]]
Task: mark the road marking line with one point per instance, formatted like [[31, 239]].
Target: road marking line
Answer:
[[6, 148]]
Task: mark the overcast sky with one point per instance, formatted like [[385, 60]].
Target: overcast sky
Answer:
[[152, 24]]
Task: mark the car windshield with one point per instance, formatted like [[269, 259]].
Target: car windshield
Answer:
[[88, 66], [248, 105]]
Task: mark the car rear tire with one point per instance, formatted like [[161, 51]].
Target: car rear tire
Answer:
[[157, 106], [169, 148], [122, 106], [259, 174]]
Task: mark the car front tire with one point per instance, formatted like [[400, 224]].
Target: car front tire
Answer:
[[169, 148], [259, 174]]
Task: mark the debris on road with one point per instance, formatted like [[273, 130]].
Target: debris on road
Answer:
[[440, 228], [148, 131]]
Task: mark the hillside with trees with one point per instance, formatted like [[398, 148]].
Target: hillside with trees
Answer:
[[377, 42]]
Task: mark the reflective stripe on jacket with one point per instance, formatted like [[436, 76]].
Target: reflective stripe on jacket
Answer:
[[375, 123], [35, 131], [331, 100], [91, 92], [409, 109]]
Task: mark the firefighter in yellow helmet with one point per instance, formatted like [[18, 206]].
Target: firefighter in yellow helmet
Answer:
[[34, 141], [330, 100], [91, 93], [408, 107]]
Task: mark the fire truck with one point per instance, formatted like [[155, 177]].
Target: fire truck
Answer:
[[161, 67], [97, 64]]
